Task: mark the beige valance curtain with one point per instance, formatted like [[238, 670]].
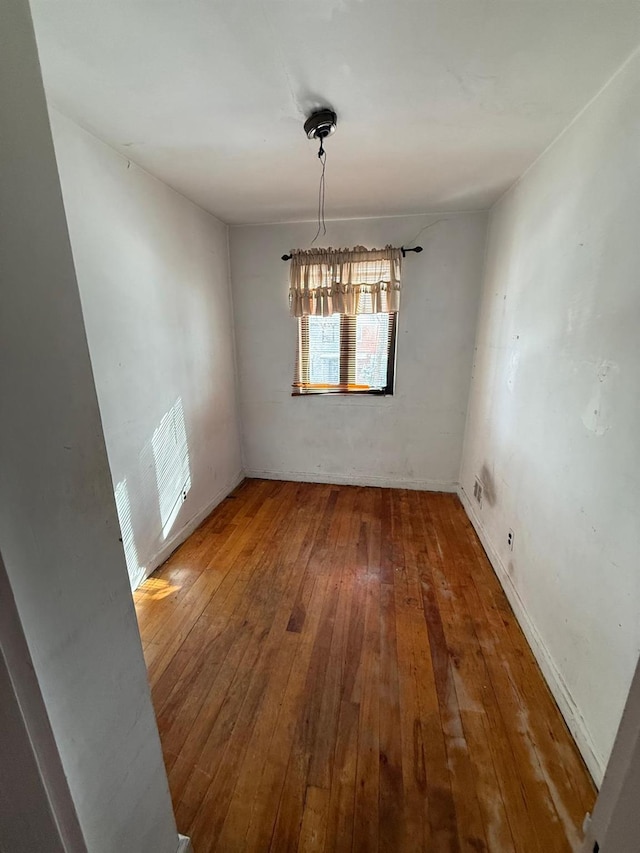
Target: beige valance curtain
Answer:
[[344, 281]]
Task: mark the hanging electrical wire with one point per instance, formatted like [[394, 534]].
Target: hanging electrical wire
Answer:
[[322, 156], [319, 125]]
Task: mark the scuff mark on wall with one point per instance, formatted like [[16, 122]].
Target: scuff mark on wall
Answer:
[[598, 414], [512, 370], [488, 485]]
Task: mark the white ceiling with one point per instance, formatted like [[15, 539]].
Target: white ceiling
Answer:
[[441, 105]]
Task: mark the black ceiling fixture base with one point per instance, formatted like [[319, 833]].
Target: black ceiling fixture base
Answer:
[[321, 124]]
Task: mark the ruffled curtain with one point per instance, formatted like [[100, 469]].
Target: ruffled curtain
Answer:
[[344, 281]]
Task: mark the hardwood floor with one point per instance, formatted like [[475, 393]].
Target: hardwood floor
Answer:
[[337, 668]]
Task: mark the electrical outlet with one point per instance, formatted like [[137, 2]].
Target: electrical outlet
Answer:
[[510, 538], [477, 492]]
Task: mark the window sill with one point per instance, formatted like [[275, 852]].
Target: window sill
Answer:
[[342, 394]]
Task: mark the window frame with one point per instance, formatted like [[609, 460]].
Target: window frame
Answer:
[[347, 360]]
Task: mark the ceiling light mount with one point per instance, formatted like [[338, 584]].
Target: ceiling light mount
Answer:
[[320, 124]]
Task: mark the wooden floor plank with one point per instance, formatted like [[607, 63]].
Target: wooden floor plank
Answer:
[[337, 668], [547, 729], [365, 827], [314, 821], [549, 805], [291, 807]]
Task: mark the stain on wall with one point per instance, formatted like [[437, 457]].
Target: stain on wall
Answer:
[[488, 485]]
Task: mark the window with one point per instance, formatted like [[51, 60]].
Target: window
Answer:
[[345, 354], [346, 304]]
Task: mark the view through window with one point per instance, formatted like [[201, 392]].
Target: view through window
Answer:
[[342, 353]]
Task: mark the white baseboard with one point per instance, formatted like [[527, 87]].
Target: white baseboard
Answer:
[[561, 693], [176, 540], [356, 480], [184, 844]]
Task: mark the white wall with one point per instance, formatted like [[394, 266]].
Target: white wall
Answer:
[[411, 439], [554, 413], [27, 822], [37, 809], [153, 272], [615, 823], [58, 525]]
